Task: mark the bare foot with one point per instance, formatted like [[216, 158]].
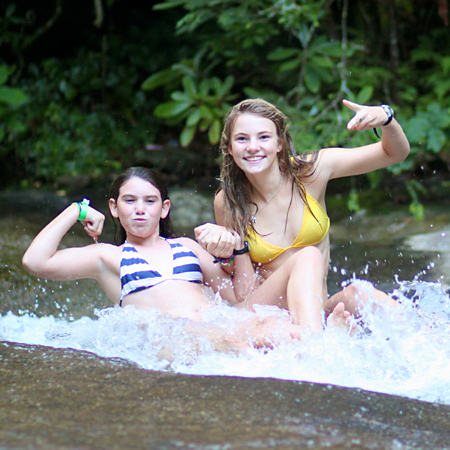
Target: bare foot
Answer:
[[340, 318], [296, 332]]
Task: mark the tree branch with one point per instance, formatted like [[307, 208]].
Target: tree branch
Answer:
[[41, 30]]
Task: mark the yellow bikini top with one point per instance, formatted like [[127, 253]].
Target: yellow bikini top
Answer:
[[314, 228]]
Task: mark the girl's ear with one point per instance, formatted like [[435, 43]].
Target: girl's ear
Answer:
[[113, 208], [165, 208]]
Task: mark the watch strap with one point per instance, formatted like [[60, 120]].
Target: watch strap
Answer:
[[390, 113], [243, 250]]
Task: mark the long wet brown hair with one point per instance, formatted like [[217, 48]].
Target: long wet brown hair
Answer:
[[237, 190], [153, 177]]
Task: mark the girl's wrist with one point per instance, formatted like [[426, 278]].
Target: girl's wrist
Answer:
[[83, 208], [242, 250]]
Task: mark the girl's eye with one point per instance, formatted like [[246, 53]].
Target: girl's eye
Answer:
[[241, 139]]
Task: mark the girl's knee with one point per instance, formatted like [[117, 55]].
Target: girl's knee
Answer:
[[307, 255], [351, 291]]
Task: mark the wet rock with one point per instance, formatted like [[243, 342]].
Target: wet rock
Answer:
[[190, 209], [68, 399]]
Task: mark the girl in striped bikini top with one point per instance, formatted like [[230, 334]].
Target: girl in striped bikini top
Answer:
[[136, 274]]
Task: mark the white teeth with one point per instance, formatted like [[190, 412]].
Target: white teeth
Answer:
[[253, 158]]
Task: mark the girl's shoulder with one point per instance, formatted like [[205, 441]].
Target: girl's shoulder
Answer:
[[185, 241], [108, 248], [190, 244], [219, 198], [109, 253]]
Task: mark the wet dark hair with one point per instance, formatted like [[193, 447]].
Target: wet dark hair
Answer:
[[155, 179]]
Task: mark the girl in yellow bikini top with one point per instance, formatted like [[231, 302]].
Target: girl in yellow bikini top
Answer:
[[314, 228]]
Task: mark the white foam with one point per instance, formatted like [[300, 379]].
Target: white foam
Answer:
[[403, 351]]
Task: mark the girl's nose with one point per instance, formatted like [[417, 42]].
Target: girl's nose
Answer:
[[252, 146], [140, 207]]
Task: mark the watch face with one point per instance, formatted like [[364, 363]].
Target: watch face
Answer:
[[389, 110]]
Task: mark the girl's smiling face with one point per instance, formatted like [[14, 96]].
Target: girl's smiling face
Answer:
[[139, 207], [254, 143]]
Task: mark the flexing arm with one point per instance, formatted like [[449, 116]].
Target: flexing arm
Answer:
[[43, 258], [393, 148]]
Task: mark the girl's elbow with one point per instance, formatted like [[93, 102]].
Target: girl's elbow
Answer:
[[34, 266], [30, 265], [402, 154], [405, 154]]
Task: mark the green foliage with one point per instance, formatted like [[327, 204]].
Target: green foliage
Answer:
[[300, 60], [200, 105], [316, 64], [429, 129], [70, 131], [416, 208], [353, 201], [86, 112], [11, 99]]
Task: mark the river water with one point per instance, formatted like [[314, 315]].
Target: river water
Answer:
[[403, 351]]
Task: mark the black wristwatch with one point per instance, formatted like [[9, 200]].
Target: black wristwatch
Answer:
[[243, 250], [390, 113]]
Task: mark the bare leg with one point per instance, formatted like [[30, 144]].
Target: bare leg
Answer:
[[296, 286], [221, 340], [269, 332], [355, 296]]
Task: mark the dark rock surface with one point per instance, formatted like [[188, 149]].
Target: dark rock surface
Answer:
[[67, 399]]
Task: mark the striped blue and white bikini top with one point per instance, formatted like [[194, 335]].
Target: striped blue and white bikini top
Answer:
[[137, 274]]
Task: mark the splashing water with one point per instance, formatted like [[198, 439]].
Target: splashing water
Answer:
[[402, 350]]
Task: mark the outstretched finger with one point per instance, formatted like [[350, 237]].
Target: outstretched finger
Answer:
[[351, 105]]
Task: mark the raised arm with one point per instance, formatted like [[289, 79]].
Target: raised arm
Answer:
[[43, 258], [393, 147]]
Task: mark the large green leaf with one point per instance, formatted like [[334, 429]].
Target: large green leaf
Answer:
[[194, 117], [436, 140], [280, 54], [322, 61], [227, 84], [364, 95], [416, 129], [180, 96], [4, 74], [290, 65], [189, 86], [186, 136], [13, 96], [207, 115], [214, 131], [168, 4], [171, 109], [312, 81], [159, 79]]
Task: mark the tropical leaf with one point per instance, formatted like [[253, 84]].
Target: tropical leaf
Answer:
[[171, 109], [160, 79], [214, 131], [186, 136], [281, 54], [13, 97]]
